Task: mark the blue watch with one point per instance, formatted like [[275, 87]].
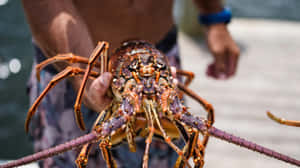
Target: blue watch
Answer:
[[221, 17]]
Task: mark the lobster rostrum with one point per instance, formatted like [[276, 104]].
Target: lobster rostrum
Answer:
[[146, 102]]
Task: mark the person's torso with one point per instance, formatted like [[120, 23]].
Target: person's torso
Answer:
[[117, 21]]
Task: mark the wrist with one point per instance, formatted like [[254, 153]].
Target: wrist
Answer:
[[222, 17], [217, 26], [216, 30]]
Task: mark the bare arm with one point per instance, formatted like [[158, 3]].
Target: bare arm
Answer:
[[222, 46], [57, 27], [209, 6]]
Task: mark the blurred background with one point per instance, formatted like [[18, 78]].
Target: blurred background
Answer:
[[268, 33]]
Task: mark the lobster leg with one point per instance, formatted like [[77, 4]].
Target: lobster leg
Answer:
[[188, 74], [69, 57], [130, 135], [176, 109], [199, 155], [110, 128], [131, 105], [82, 158], [105, 146], [198, 150], [283, 121], [165, 135], [188, 149], [69, 71], [208, 107], [101, 50]]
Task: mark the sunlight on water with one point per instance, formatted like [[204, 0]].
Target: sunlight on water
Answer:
[[4, 71], [3, 2], [14, 65], [9, 68]]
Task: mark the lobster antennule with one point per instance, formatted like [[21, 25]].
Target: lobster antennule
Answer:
[[198, 123]]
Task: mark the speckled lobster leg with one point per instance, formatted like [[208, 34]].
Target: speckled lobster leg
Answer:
[[208, 107], [188, 74], [166, 137], [69, 57], [189, 148], [82, 158], [101, 51], [69, 71], [105, 146]]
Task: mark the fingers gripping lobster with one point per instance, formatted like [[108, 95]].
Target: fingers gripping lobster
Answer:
[[146, 102]]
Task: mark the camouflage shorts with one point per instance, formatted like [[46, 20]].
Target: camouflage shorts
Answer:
[[54, 121]]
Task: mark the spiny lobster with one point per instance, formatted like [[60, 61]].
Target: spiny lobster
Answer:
[[146, 102]]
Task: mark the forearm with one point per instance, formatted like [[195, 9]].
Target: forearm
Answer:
[[57, 27], [220, 43], [209, 6]]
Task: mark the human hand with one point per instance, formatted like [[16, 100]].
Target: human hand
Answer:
[[96, 96], [225, 51]]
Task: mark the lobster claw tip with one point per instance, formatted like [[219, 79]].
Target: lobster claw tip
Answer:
[[26, 126], [82, 127], [80, 122]]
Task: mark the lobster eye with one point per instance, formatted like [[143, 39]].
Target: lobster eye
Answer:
[[134, 65], [150, 59], [160, 64]]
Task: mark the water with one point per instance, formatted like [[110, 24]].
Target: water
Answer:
[[15, 43], [272, 9]]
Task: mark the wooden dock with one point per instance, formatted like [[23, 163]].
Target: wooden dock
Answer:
[[268, 78]]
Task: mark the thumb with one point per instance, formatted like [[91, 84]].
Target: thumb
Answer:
[[101, 84]]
